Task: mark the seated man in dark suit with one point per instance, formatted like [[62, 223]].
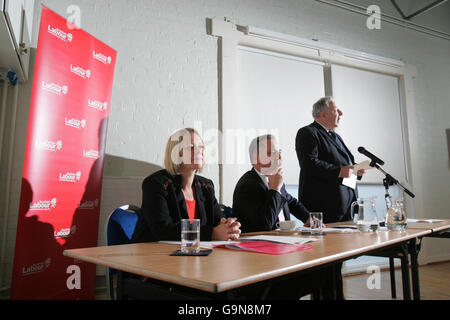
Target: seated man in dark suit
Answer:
[[260, 199]]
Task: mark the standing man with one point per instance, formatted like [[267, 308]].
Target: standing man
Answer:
[[324, 161]]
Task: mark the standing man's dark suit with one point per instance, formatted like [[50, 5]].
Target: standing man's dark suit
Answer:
[[257, 207], [321, 157]]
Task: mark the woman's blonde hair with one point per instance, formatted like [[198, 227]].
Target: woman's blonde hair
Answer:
[[172, 159]]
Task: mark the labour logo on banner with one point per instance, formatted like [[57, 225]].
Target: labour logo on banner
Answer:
[[43, 205], [99, 105], [75, 123], [57, 89], [101, 57], [60, 34], [49, 145], [83, 73]]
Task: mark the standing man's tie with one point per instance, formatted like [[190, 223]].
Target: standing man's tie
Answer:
[[334, 136]]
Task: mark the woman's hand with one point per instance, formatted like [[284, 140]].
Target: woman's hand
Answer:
[[228, 229]]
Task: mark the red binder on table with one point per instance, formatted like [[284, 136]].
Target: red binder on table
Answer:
[[266, 247]]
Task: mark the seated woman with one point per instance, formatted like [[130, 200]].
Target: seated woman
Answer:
[[177, 192]]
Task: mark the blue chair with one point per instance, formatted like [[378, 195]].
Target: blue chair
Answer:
[[120, 227], [226, 211]]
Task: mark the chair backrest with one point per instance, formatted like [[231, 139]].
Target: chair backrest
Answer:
[[226, 211], [121, 224], [119, 229]]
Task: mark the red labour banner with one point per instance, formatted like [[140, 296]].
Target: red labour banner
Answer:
[[63, 165]]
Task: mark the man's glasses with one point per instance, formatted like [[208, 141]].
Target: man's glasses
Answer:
[[274, 152], [193, 147]]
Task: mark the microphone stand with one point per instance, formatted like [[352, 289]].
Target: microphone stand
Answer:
[[389, 181]]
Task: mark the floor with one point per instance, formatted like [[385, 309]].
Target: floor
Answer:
[[434, 285]]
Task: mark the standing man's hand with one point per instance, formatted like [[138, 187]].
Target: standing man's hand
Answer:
[[346, 172]]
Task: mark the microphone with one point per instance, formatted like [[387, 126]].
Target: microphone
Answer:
[[370, 155]]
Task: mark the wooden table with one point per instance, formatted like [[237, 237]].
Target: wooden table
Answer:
[[435, 227], [225, 270], [412, 248], [438, 230]]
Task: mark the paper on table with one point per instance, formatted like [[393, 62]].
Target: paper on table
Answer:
[[335, 230], [346, 226], [339, 230], [362, 165], [426, 220], [204, 244]]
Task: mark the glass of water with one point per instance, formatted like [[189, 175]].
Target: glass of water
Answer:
[[316, 222], [190, 235]]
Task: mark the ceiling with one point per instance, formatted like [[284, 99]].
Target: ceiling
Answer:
[[409, 9], [436, 18]]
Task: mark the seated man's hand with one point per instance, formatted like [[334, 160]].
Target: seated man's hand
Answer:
[[308, 224], [276, 180]]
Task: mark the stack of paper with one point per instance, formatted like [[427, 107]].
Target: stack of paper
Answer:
[[339, 229], [426, 220], [204, 244]]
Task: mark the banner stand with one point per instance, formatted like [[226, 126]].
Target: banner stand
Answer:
[[63, 166]]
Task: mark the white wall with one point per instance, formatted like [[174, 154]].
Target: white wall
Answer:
[[166, 77]]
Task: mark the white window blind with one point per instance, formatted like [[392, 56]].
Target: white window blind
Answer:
[[371, 118], [275, 94]]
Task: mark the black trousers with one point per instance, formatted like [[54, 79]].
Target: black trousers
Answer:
[[336, 291], [335, 273], [289, 289]]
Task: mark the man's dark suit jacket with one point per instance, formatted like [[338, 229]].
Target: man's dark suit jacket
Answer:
[[164, 205], [321, 159], [257, 207]]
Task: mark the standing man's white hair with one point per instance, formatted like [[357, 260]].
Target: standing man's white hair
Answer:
[[320, 106]]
